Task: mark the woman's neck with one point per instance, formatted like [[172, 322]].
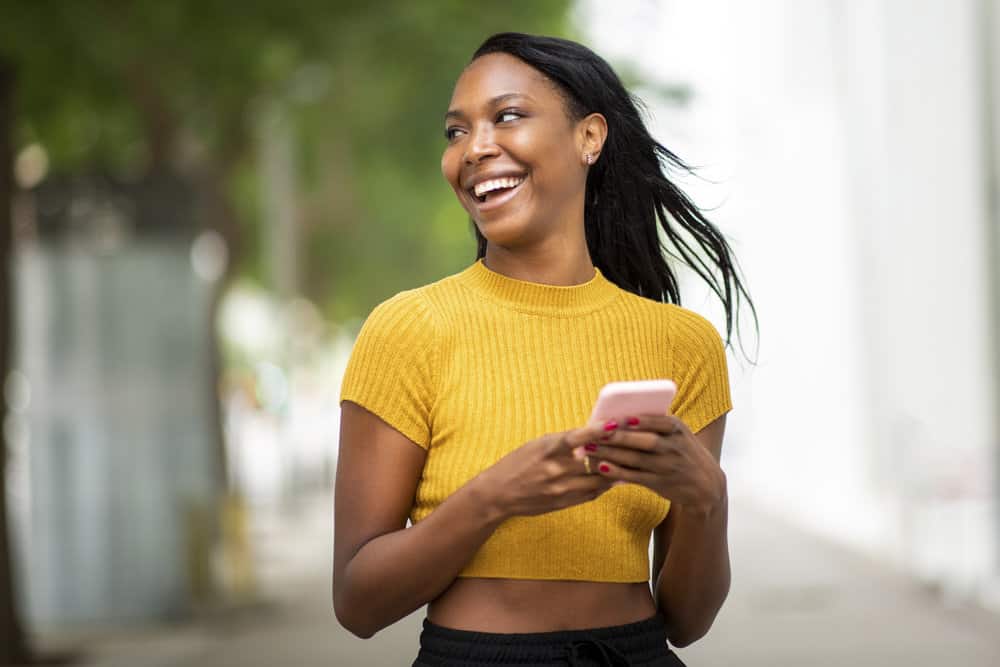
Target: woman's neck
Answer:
[[556, 265]]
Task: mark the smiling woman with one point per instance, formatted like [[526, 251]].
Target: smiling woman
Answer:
[[507, 121], [465, 402]]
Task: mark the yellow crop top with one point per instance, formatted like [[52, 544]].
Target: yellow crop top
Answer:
[[476, 364]]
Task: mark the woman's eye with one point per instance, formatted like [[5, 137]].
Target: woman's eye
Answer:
[[451, 133]]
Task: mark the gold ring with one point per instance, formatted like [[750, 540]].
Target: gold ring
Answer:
[[586, 463]]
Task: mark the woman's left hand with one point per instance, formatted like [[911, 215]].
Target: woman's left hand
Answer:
[[660, 453]]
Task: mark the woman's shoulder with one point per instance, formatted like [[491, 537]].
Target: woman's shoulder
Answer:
[[421, 305], [691, 322], [685, 326], [408, 300], [403, 316]]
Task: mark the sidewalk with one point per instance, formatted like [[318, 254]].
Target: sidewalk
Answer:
[[795, 601]]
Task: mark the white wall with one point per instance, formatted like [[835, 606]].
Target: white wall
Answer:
[[847, 139], [113, 454]]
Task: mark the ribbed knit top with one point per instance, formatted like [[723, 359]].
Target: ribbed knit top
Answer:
[[478, 363]]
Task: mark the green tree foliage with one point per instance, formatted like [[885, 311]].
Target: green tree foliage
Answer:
[[133, 86], [142, 86]]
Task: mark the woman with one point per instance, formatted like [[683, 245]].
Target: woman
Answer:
[[464, 400]]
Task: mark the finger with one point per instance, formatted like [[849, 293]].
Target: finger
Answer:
[[626, 457], [587, 483], [618, 473], [593, 486], [582, 487], [581, 436], [664, 424], [645, 441]]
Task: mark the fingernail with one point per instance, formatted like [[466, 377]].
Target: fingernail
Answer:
[[611, 425], [590, 447], [604, 467], [632, 421]]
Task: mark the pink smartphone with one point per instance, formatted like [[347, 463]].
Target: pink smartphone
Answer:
[[618, 400]]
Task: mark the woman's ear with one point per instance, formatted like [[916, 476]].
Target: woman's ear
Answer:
[[593, 130]]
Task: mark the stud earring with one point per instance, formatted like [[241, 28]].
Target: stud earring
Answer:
[[588, 157]]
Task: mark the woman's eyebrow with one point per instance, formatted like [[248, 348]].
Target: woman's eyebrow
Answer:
[[492, 102]]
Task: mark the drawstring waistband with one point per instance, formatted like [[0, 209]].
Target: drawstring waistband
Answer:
[[608, 653], [643, 642]]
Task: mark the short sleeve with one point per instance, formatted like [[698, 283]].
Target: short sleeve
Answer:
[[699, 370], [391, 370]]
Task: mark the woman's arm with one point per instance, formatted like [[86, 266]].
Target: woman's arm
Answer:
[[691, 558], [383, 570]]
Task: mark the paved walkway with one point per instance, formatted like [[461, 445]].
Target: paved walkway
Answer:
[[795, 601]]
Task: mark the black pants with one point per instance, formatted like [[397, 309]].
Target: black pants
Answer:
[[640, 643]]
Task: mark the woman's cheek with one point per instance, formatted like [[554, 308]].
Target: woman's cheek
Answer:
[[448, 169]]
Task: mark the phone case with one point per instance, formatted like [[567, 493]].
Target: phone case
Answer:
[[618, 400]]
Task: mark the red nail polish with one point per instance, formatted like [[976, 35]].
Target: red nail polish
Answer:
[[590, 447], [604, 467], [632, 421], [611, 425]]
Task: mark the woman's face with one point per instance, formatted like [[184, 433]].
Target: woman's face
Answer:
[[514, 158]]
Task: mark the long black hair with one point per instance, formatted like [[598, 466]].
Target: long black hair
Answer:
[[627, 191]]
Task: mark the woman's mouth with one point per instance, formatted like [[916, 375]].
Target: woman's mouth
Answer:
[[496, 192]]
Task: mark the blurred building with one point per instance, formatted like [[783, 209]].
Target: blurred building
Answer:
[[852, 149], [114, 470]]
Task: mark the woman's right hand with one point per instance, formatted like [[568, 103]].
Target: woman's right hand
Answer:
[[545, 474]]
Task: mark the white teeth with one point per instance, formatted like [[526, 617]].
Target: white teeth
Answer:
[[496, 184]]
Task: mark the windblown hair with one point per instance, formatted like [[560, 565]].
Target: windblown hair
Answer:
[[628, 194]]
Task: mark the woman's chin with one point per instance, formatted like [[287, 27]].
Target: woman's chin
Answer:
[[507, 233]]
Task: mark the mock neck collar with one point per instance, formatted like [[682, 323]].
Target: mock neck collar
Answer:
[[540, 298]]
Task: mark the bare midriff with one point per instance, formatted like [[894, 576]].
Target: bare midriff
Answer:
[[532, 605]]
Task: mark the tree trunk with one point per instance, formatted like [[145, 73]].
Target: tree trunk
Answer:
[[13, 643], [220, 216]]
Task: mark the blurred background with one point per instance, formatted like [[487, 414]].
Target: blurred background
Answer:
[[203, 200]]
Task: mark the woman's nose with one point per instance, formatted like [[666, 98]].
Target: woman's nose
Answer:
[[481, 144]]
